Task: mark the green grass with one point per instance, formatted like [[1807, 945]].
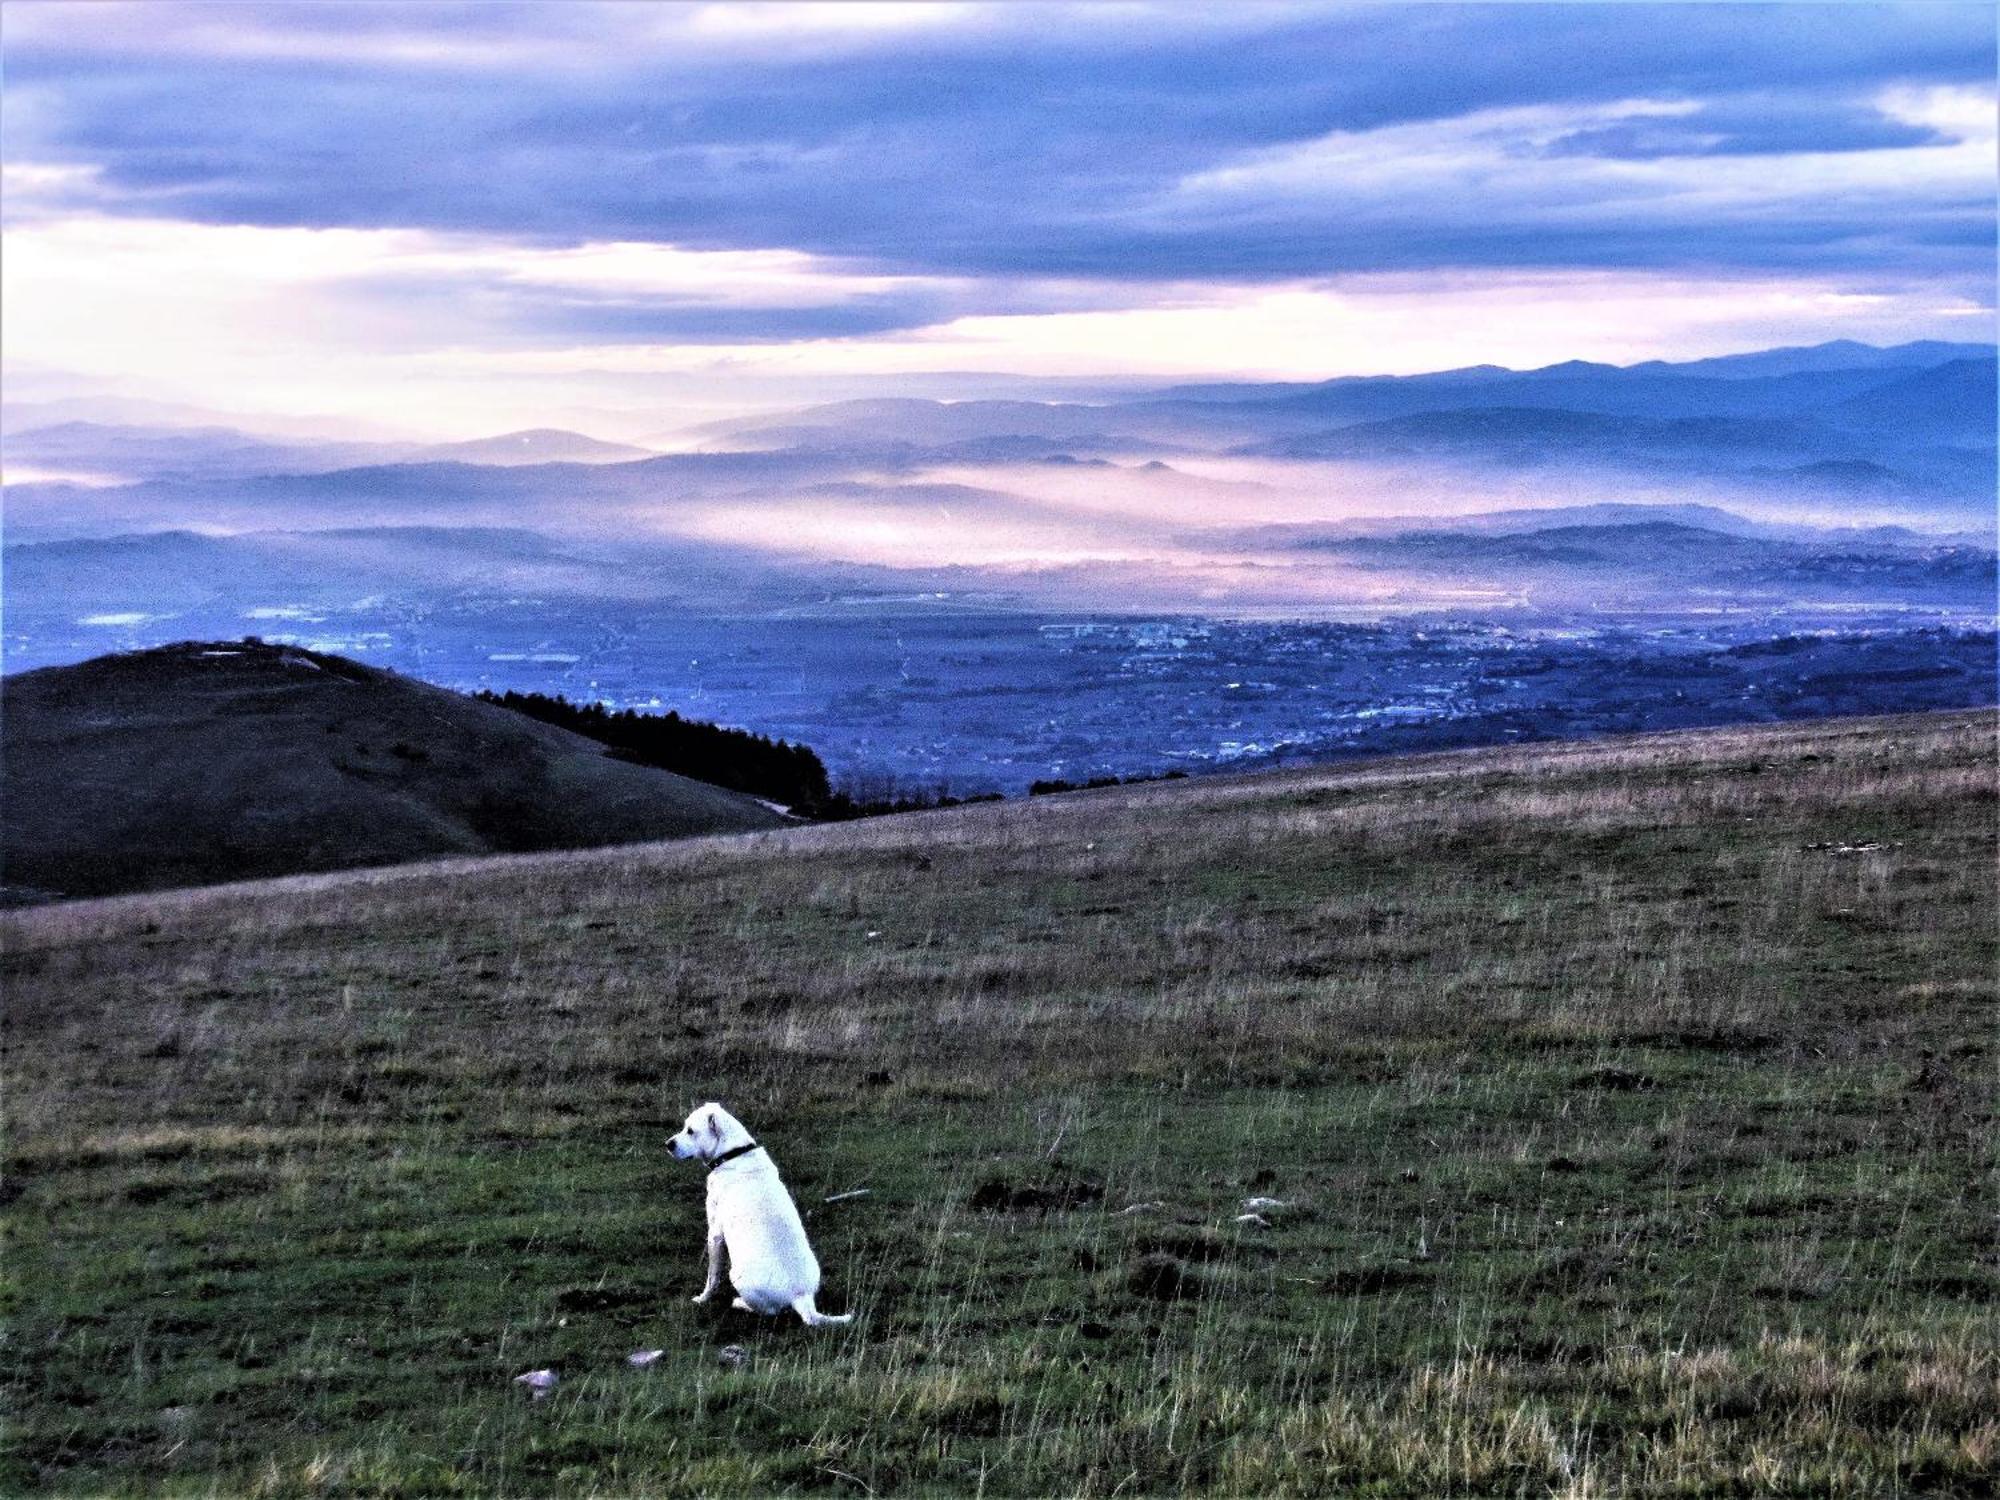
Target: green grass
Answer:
[[1631, 1146]]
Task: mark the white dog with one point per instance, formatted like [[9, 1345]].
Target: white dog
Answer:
[[751, 1216]]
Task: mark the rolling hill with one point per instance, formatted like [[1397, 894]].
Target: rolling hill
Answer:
[[202, 762], [1675, 552], [1922, 413], [537, 445], [138, 452], [1952, 401], [1501, 433], [1599, 1118]]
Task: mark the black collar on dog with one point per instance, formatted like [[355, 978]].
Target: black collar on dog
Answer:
[[732, 1154]]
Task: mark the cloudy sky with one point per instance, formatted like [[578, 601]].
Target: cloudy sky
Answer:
[[462, 217]]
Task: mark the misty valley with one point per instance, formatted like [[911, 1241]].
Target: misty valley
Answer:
[[972, 596]]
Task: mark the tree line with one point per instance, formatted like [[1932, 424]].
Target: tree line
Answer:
[[736, 759]]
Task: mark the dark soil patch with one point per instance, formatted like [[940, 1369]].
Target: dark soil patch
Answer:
[[593, 1299], [1056, 1194], [1616, 1080], [1368, 1281], [1165, 1279]]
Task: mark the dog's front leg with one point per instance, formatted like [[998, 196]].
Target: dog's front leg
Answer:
[[715, 1245]]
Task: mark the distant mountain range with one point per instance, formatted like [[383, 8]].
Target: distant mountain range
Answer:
[[1836, 354], [1920, 417], [284, 580], [232, 760], [1611, 514], [103, 451], [1839, 439], [571, 496], [1774, 383], [1718, 562], [1520, 432]]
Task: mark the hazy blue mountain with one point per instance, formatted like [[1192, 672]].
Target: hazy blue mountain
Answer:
[[162, 572], [1839, 354], [938, 423], [18, 417], [1245, 390], [1673, 558], [1957, 400], [295, 575], [139, 452], [1525, 521], [1856, 479], [1516, 433], [1602, 389], [1248, 416], [566, 496], [539, 445]]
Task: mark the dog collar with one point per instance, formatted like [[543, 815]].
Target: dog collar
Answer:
[[732, 1154]]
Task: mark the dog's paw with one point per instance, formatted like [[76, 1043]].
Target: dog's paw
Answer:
[[697, 1301]]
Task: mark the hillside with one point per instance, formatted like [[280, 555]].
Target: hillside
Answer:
[[197, 763], [210, 452], [1922, 414], [1952, 400], [539, 445], [1620, 1108]]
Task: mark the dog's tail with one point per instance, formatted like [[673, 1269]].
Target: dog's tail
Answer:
[[814, 1318]]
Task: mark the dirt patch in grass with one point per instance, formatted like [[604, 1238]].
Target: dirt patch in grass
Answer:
[[1370, 1281], [1165, 1278], [1051, 1195]]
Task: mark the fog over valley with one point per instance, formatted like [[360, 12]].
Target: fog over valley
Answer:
[[982, 593], [1137, 391]]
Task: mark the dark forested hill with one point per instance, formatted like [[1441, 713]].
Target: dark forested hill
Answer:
[[199, 762]]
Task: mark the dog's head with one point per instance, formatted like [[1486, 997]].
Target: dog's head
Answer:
[[710, 1131]]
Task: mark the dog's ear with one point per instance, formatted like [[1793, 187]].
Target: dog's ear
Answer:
[[714, 1125]]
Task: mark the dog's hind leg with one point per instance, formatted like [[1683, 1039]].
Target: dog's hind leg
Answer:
[[814, 1318]]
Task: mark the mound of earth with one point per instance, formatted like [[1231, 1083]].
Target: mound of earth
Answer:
[[200, 762]]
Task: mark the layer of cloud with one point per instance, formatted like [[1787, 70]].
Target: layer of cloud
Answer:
[[459, 333], [520, 207], [1032, 140]]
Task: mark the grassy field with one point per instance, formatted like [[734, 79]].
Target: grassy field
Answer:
[[1629, 1103]]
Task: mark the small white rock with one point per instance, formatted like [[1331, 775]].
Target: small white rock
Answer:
[[1142, 1208], [732, 1356], [1253, 1221], [539, 1383], [638, 1359], [1264, 1205]]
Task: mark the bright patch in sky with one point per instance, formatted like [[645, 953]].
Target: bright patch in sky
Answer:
[[460, 219]]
